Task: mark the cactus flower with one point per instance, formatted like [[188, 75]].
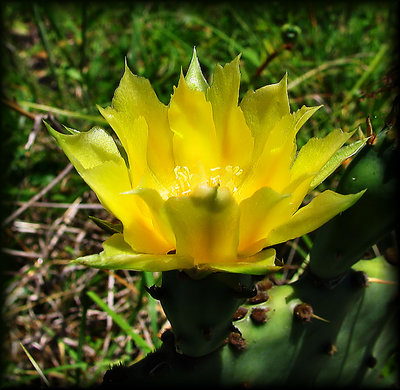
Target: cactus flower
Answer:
[[205, 183]]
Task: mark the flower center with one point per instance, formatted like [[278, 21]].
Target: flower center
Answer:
[[186, 181]]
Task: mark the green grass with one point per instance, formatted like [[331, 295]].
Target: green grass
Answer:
[[66, 58]]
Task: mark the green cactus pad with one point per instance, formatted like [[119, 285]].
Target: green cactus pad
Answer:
[[201, 310]]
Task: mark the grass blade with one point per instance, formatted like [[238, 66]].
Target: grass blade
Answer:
[[149, 281], [34, 364], [321, 68], [59, 111], [81, 335], [28, 378], [47, 47], [121, 322], [371, 68]]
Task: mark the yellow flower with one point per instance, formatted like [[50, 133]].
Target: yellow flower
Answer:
[[205, 183]]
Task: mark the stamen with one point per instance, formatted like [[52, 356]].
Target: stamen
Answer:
[[216, 177]]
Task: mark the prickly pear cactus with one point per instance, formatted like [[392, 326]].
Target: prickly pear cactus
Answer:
[[336, 324], [201, 310], [291, 334]]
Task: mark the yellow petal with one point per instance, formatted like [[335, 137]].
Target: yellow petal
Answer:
[[87, 149], [118, 254], [278, 154], [133, 98], [272, 168], [110, 181], [302, 115], [190, 118], [310, 217], [316, 152], [298, 190], [341, 155], [267, 209], [137, 151], [259, 214], [264, 107], [155, 203], [141, 230], [205, 225], [97, 159], [235, 139]]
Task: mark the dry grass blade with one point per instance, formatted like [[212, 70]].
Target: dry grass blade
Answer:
[[48, 298], [88, 206], [321, 68], [121, 280], [37, 368], [63, 222], [39, 228], [36, 127], [19, 211], [14, 252]]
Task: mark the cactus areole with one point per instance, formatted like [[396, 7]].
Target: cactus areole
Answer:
[[204, 186]]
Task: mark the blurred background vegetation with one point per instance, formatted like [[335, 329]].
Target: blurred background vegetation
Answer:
[[60, 60]]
